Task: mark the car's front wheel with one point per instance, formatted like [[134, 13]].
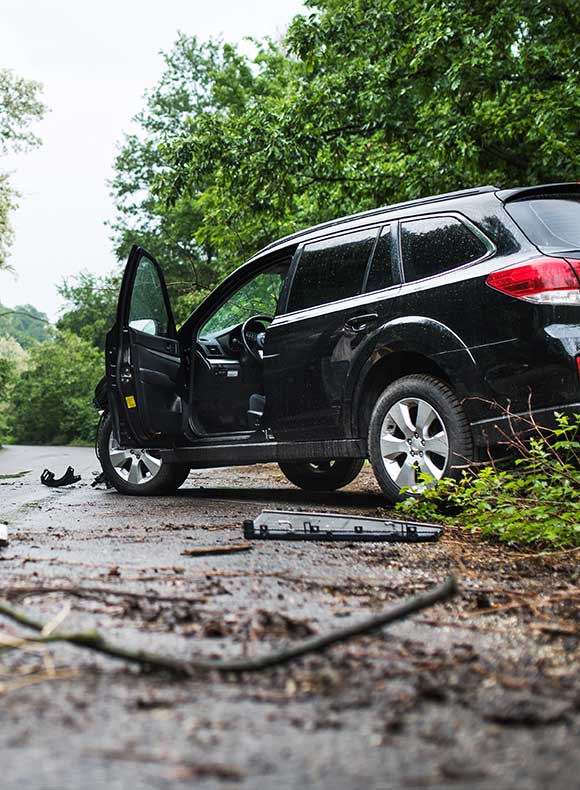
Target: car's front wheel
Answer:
[[134, 471], [322, 475], [418, 427]]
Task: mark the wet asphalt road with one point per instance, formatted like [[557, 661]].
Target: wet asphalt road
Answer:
[[459, 696]]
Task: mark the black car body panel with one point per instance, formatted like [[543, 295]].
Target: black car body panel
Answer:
[[325, 360]]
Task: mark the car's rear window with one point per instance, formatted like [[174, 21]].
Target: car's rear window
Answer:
[[552, 223], [437, 244]]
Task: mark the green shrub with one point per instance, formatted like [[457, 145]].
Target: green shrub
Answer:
[[51, 401], [13, 361], [534, 501]]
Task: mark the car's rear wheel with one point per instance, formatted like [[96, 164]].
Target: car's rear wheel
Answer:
[[321, 475], [134, 471], [417, 426]]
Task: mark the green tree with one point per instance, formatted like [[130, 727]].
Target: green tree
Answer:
[[386, 100], [25, 324], [13, 361], [19, 106], [90, 308], [200, 80], [52, 403]]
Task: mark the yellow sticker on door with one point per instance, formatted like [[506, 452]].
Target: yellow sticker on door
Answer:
[[131, 402]]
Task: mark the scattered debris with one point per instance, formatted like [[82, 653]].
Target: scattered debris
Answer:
[[101, 479], [3, 536], [202, 551], [47, 478], [293, 525]]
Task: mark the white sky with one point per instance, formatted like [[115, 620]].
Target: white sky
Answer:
[[95, 61]]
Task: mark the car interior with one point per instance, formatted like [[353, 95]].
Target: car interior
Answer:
[[228, 387]]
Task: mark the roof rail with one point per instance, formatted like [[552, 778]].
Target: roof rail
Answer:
[[375, 211], [521, 193]]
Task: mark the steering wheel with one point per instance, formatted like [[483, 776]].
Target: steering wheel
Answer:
[[253, 334]]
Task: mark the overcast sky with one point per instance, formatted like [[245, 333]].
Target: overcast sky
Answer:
[[95, 61]]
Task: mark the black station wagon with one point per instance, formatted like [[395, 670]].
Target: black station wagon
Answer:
[[412, 335]]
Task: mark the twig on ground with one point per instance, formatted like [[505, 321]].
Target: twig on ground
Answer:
[[37, 677], [202, 551], [189, 768], [94, 641], [93, 592]]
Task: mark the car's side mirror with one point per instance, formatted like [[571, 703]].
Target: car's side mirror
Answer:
[[146, 325]]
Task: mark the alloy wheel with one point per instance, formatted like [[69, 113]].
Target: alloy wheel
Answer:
[[413, 440], [134, 466]]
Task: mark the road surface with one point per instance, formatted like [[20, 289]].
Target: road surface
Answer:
[[481, 693]]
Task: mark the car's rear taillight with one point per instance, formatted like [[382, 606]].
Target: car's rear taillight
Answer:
[[545, 280]]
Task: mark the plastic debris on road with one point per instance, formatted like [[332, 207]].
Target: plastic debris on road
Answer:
[[293, 525]]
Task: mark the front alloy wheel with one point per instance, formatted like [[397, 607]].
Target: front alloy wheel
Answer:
[[133, 471], [134, 466]]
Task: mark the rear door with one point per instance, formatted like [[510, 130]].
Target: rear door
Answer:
[[143, 358], [310, 349]]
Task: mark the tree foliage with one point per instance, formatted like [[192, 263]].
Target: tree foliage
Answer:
[[201, 81], [198, 77], [13, 361], [52, 403], [19, 106], [90, 306], [374, 101], [25, 323]]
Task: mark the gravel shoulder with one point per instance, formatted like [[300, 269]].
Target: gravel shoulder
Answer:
[[481, 692]]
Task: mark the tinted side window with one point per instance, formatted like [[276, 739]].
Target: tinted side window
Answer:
[[381, 268], [148, 312], [437, 244], [331, 269]]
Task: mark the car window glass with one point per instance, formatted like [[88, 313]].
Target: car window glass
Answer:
[[552, 223], [331, 269], [381, 268], [256, 297], [148, 312], [437, 244]]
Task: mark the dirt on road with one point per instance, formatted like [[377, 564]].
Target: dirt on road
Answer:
[[481, 692]]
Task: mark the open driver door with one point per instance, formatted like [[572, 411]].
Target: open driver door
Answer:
[[143, 358]]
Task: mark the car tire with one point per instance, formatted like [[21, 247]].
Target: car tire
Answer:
[[417, 424], [322, 475], [136, 472]]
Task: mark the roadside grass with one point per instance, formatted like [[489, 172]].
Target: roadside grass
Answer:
[[535, 502]]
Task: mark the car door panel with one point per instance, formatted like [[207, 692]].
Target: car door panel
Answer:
[[144, 368], [310, 353], [157, 376]]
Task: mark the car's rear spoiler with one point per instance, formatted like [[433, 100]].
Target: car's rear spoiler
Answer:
[[525, 193]]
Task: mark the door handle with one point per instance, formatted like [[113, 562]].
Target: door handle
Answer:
[[359, 323]]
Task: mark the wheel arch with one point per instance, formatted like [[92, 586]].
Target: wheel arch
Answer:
[[412, 344], [388, 369]]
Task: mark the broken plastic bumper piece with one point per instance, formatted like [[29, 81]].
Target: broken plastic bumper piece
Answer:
[[69, 477], [292, 525]]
